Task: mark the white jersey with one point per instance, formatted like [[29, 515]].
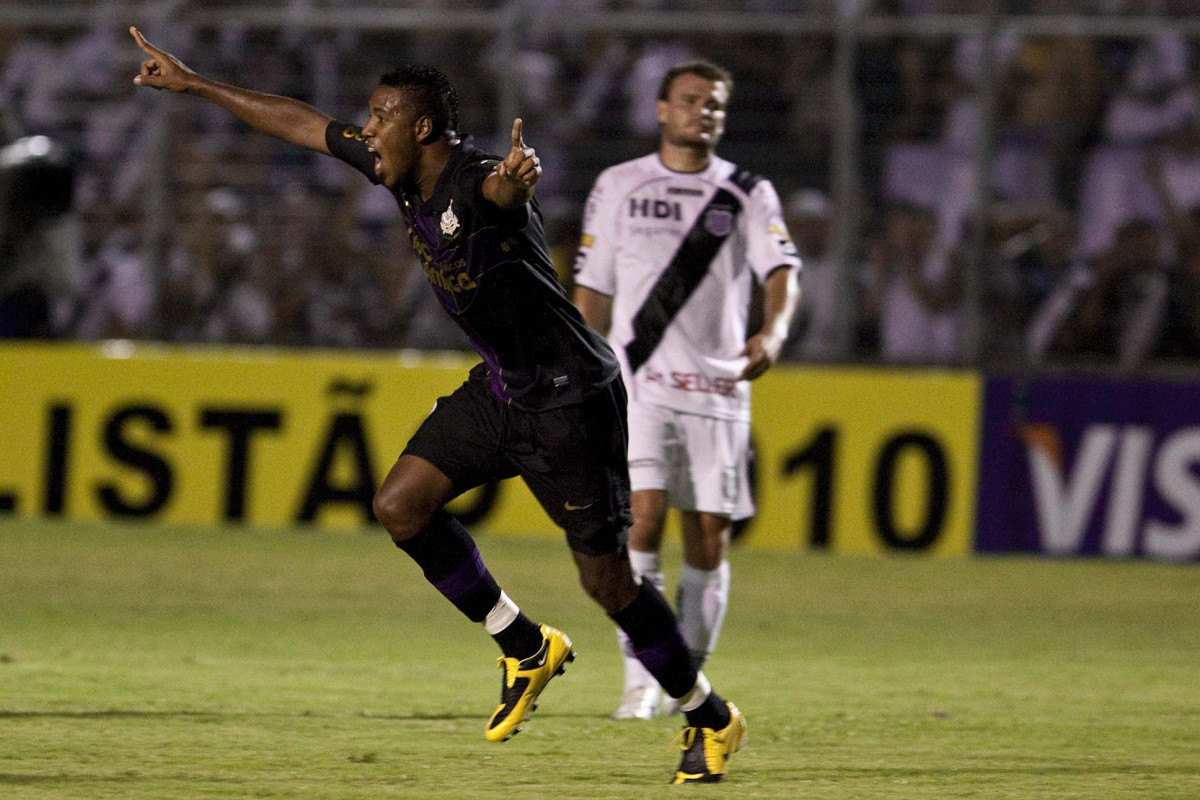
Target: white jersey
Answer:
[[675, 251]]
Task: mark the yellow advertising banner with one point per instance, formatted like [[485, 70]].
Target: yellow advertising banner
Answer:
[[855, 460], [208, 435], [866, 461]]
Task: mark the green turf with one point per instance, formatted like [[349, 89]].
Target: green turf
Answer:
[[149, 662]]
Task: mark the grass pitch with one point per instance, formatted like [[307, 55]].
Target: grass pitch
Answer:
[[150, 662]]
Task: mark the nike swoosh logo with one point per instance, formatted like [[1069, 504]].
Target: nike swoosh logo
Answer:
[[569, 506], [539, 659], [688, 776]]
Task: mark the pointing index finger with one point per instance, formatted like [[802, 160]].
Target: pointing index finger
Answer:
[[142, 43], [518, 139]]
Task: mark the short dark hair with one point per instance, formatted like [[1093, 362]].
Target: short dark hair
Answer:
[[429, 93], [696, 66]]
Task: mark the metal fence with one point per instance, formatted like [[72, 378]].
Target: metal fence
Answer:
[[1081, 248]]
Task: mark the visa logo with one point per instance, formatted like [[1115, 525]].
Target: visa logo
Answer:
[[1126, 461]]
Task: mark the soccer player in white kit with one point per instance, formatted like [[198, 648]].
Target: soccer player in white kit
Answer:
[[672, 245]]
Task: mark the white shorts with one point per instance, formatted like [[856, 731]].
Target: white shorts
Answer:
[[701, 462]]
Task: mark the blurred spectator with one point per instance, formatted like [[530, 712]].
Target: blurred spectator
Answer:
[[1181, 331], [395, 307], [913, 288], [1112, 310], [902, 87], [1156, 104], [188, 281], [407, 314], [1156, 97], [963, 122], [40, 239], [815, 332], [229, 247], [33, 83], [115, 141], [641, 85], [540, 78], [809, 89], [248, 313], [1071, 109], [1034, 249], [1056, 104], [1022, 169], [604, 57], [119, 300]]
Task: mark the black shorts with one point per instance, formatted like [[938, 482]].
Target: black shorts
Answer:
[[572, 458]]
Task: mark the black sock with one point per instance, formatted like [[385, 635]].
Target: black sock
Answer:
[[521, 639], [712, 713], [450, 560], [656, 640]]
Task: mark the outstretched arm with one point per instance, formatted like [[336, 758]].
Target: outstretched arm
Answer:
[[511, 184], [281, 117]]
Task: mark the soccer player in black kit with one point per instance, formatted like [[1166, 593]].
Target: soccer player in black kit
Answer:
[[546, 403]]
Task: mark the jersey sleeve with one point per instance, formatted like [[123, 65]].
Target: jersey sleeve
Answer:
[[768, 243], [595, 261], [470, 184], [346, 142]]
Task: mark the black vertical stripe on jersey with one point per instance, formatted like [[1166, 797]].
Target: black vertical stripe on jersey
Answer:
[[677, 282], [746, 180]]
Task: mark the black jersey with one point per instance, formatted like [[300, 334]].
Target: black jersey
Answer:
[[491, 271]]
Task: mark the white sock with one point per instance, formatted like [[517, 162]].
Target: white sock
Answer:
[[501, 615], [703, 598], [646, 566], [696, 697]]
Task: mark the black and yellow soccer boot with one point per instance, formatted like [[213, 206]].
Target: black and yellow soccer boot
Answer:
[[706, 751], [523, 680]]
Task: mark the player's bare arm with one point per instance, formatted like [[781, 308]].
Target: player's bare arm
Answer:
[[780, 299], [511, 184], [595, 307], [282, 117]]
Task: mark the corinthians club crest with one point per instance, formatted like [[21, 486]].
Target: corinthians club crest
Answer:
[[449, 223]]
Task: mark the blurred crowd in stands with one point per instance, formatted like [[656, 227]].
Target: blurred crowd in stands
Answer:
[[1090, 236]]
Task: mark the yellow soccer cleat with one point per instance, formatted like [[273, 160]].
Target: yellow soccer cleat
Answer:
[[523, 681], [706, 751]]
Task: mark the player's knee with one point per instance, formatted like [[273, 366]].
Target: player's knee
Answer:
[[706, 540], [399, 512], [645, 536], [606, 594], [705, 558], [649, 518]]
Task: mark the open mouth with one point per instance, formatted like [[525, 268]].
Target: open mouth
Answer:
[[378, 168]]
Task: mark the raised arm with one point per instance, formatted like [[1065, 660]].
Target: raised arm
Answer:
[[511, 185], [281, 117]]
